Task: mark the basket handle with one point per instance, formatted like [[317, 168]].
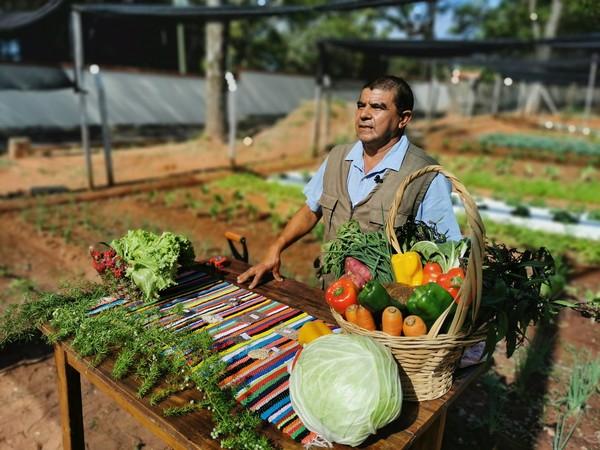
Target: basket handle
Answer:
[[472, 286]]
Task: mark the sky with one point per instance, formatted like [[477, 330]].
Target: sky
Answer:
[[443, 22]]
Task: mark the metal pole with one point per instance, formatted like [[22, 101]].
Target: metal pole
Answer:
[[433, 94], [327, 87], [590, 89], [181, 40], [436, 96], [317, 123], [95, 70], [496, 94], [79, 82], [471, 98], [548, 99], [521, 97], [232, 87]]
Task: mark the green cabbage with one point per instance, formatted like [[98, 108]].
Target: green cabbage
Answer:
[[153, 259], [345, 387]]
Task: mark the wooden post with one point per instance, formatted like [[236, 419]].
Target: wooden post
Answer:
[[432, 438], [216, 104], [69, 400], [19, 147]]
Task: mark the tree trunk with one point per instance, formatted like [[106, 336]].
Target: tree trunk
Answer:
[[215, 78], [543, 52]]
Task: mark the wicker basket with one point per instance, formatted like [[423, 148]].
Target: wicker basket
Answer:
[[427, 363]]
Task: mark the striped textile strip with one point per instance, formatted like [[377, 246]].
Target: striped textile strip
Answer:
[[108, 302], [260, 326], [218, 306], [246, 321], [255, 373], [237, 357]]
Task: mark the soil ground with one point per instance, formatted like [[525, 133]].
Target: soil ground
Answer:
[[40, 254]]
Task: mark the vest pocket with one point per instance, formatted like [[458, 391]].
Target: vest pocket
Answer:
[[378, 218], [328, 203]]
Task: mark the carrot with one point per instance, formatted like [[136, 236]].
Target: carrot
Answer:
[[350, 313], [364, 318], [391, 321], [414, 326]]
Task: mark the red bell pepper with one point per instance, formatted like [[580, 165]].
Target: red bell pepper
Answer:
[[341, 294], [452, 281]]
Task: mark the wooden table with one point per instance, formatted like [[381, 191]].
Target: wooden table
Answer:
[[420, 426]]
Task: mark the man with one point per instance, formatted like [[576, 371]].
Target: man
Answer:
[[360, 180]]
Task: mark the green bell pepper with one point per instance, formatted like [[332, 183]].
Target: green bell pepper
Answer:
[[429, 302], [375, 297]]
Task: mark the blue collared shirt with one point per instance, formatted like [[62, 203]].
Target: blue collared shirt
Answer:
[[436, 206]]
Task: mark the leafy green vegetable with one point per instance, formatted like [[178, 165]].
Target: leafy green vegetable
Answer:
[[512, 297], [370, 248], [153, 259], [337, 401], [447, 254], [414, 231]]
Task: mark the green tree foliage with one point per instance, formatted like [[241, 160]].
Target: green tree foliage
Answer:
[[289, 43], [511, 18]]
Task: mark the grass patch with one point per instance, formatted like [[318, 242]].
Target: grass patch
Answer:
[[586, 251], [506, 185], [252, 184], [6, 163]]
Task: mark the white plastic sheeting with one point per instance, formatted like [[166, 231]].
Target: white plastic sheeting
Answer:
[[138, 98], [151, 99]]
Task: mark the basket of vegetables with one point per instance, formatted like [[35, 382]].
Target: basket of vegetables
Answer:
[[427, 314]]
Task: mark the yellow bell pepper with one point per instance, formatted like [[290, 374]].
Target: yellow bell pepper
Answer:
[[408, 268], [311, 331]]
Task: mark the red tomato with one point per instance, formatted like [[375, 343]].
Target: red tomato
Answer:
[[431, 271], [341, 294]]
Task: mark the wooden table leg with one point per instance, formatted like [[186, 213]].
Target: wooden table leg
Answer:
[[432, 438], [69, 399]]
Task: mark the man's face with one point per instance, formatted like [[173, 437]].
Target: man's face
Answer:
[[377, 121]]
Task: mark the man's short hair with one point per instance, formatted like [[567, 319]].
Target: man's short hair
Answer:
[[403, 98]]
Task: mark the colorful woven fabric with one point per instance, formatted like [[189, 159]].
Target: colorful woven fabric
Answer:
[[255, 335]]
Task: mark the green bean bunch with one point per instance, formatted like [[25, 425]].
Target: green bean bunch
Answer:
[[371, 248]]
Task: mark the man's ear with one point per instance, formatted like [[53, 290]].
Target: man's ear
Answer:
[[405, 118]]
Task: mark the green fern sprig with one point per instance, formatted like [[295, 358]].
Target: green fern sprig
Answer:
[[181, 359]]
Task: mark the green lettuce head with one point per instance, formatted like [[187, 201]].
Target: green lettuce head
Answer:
[[153, 259]]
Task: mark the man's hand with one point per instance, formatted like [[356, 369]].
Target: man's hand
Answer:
[[299, 225], [270, 263]]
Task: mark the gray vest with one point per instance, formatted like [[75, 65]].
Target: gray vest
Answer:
[[372, 211]]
